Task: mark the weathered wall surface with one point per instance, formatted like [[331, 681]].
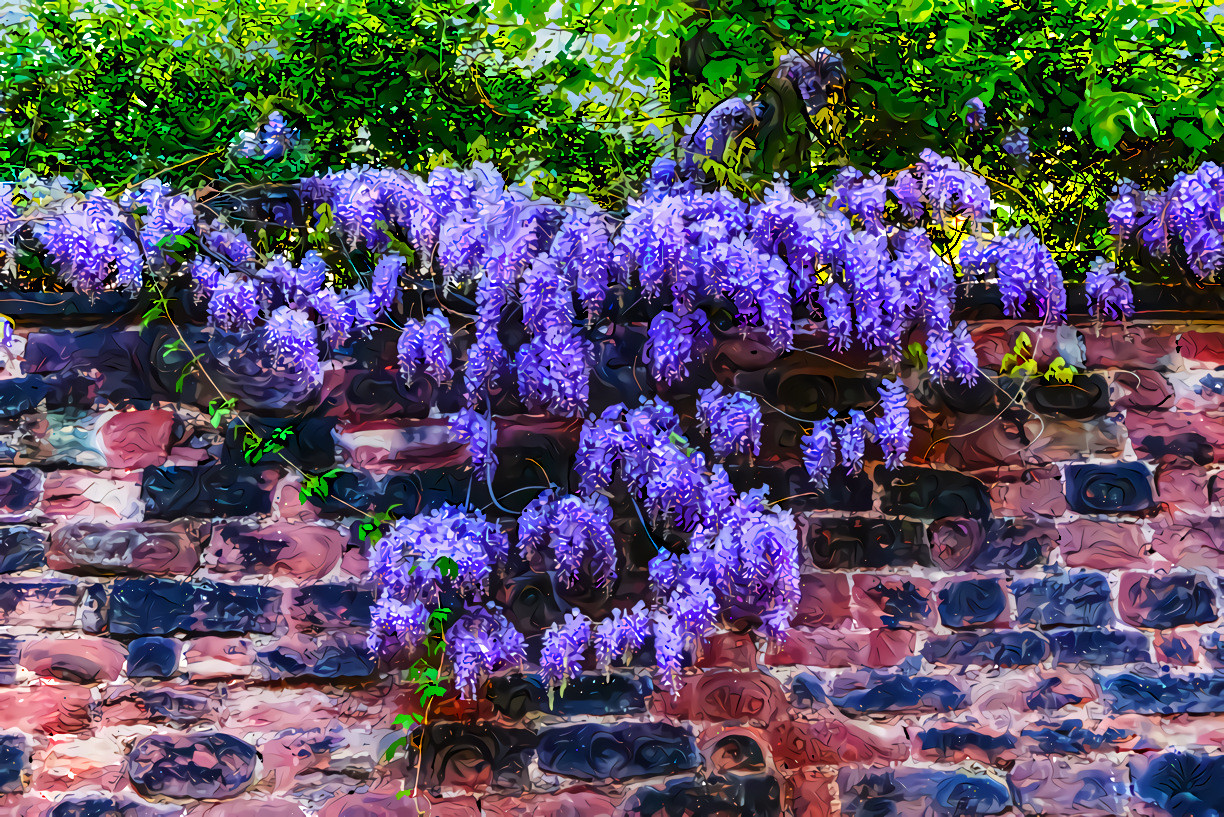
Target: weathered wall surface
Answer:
[[1027, 620]]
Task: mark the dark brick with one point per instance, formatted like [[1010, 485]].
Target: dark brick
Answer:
[[592, 751], [196, 766], [928, 493], [730, 795], [310, 445], [1099, 647], [840, 544], [1002, 648], [475, 756], [20, 490], [872, 791], [159, 606], [948, 743], [21, 548], [339, 655], [1073, 599], [328, 606], [1109, 489], [154, 548], [972, 603], [209, 490], [1184, 784], [153, 657], [516, 696], [1194, 693], [1161, 602], [1086, 397], [867, 692], [1072, 738], [14, 760]]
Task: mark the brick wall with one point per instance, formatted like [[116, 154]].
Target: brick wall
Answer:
[[1024, 620]]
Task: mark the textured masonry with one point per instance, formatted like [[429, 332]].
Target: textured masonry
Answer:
[[1024, 619]]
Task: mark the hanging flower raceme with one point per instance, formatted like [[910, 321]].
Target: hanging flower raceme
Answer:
[[862, 196], [852, 440], [165, 216], [619, 636], [424, 347], [575, 531], [480, 642], [554, 372], [291, 341], [479, 434], [564, 649], [669, 346], [1025, 269], [91, 244], [892, 429], [949, 190], [820, 452], [234, 305], [975, 114], [598, 451], [733, 420], [1108, 291]]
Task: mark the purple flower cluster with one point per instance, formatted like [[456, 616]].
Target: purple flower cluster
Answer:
[[892, 429], [479, 434], [272, 141], [669, 347], [1025, 270], [564, 649], [1109, 291], [620, 635], [554, 372], [820, 452], [480, 642], [575, 531], [291, 342], [975, 114], [1183, 221], [852, 440], [733, 421], [91, 242], [424, 347]]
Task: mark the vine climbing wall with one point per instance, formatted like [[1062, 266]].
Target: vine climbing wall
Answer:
[[1022, 619]]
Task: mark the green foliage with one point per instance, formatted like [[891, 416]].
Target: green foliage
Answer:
[[317, 486], [254, 447], [220, 409], [1019, 362]]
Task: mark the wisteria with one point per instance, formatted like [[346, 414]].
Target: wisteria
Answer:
[[892, 429], [1109, 291], [564, 649], [820, 452], [479, 434], [852, 440], [575, 531], [733, 421]]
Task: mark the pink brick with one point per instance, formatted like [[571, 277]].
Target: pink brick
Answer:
[[135, 439], [1050, 441], [725, 695], [160, 703], [1137, 348], [1141, 390], [86, 660], [825, 647], [888, 648], [382, 447], [994, 341], [1182, 488], [48, 708], [1177, 435], [1028, 492], [47, 603], [1177, 648], [246, 806], [824, 600], [1071, 787], [87, 496], [799, 741], [303, 552], [814, 792], [1103, 545], [1197, 544], [728, 650], [70, 763], [975, 443], [293, 753], [158, 549], [217, 657]]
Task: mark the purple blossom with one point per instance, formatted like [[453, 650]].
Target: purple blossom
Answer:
[[598, 450], [668, 633], [206, 275], [893, 430], [384, 282], [975, 114], [1109, 291], [1016, 143], [964, 355], [292, 342], [949, 189], [839, 318], [397, 623], [479, 434], [1123, 209], [272, 141], [820, 452], [733, 420], [554, 372], [852, 440], [725, 123], [480, 642], [675, 484], [907, 190], [234, 305], [546, 296], [669, 347], [576, 531], [337, 320], [229, 243], [620, 635], [486, 360], [564, 648], [436, 346], [860, 196]]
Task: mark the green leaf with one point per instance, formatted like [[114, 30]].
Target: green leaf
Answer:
[[395, 746]]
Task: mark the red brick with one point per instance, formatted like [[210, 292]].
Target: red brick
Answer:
[[1177, 435], [728, 650], [212, 657], [725, 695], [1201, 348], [246, 807], [870, 600], [1198, 544], [825, 647], [382, 447], [1028, 492], [74, 495], [1182, 488], [814, 793], [799, 741], [135, 439], [824, 600], [568, 803]]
